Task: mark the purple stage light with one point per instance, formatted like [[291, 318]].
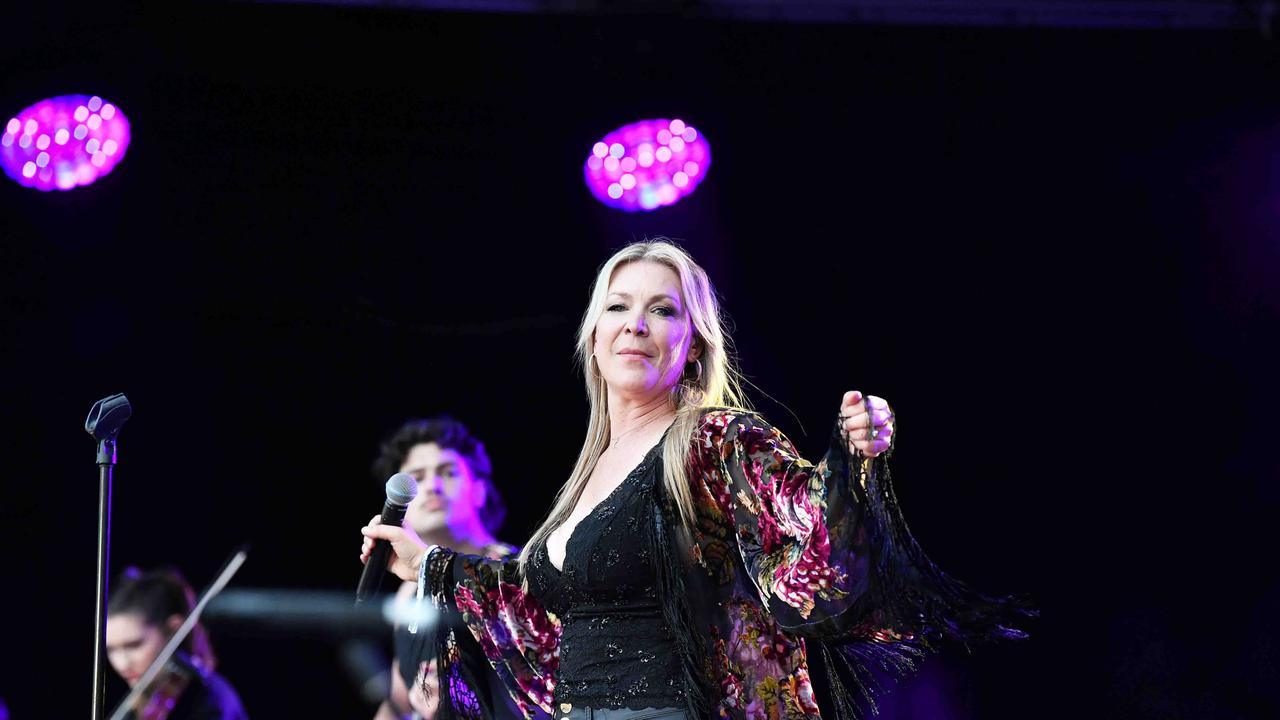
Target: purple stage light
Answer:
[[64, 142], [646, 165]]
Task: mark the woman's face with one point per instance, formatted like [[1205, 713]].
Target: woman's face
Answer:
[[449, 494], [642, 339], [133, 644]]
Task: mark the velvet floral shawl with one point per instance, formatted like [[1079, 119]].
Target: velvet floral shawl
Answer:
[[787, 558]]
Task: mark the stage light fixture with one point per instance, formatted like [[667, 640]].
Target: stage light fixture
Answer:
[[64, 142], [647, 165]]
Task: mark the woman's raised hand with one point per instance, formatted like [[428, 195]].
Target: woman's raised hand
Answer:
[[867, 422], [407, 548]]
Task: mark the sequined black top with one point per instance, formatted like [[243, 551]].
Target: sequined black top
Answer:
[[615, 649]]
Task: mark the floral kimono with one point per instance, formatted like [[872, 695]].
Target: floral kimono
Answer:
[[786, 558]]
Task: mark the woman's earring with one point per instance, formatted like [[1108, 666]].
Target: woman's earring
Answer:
[[698, 364]]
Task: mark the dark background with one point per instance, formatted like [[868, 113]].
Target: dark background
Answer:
[[1053, 250]]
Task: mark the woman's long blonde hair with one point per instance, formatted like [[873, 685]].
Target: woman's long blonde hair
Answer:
[[718, 385]]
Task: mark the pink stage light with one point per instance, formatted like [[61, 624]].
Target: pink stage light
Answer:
[[647, 165], [64, 142]]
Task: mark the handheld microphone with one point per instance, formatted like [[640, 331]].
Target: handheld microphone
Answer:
[[401, 489]]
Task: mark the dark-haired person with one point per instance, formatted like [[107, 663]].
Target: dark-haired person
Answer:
[[693, 560], [457, 505], [143, 611]]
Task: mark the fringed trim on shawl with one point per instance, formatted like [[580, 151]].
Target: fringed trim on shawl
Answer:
[[669, 572], [909, 597], [852, 684], [457, 698], [910, 603], [438, 575]]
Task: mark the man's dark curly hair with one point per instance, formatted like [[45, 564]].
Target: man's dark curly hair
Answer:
[[449, 434]]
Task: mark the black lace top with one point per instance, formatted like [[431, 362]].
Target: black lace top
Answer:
[[615, 649]]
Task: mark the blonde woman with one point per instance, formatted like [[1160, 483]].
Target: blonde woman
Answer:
[[693, 558]]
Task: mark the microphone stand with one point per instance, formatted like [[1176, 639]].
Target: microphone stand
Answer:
[[105, 419]]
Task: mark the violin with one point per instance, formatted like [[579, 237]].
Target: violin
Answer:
[[160, 697]]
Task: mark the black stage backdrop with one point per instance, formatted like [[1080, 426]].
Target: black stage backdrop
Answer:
[[1054, 251]]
